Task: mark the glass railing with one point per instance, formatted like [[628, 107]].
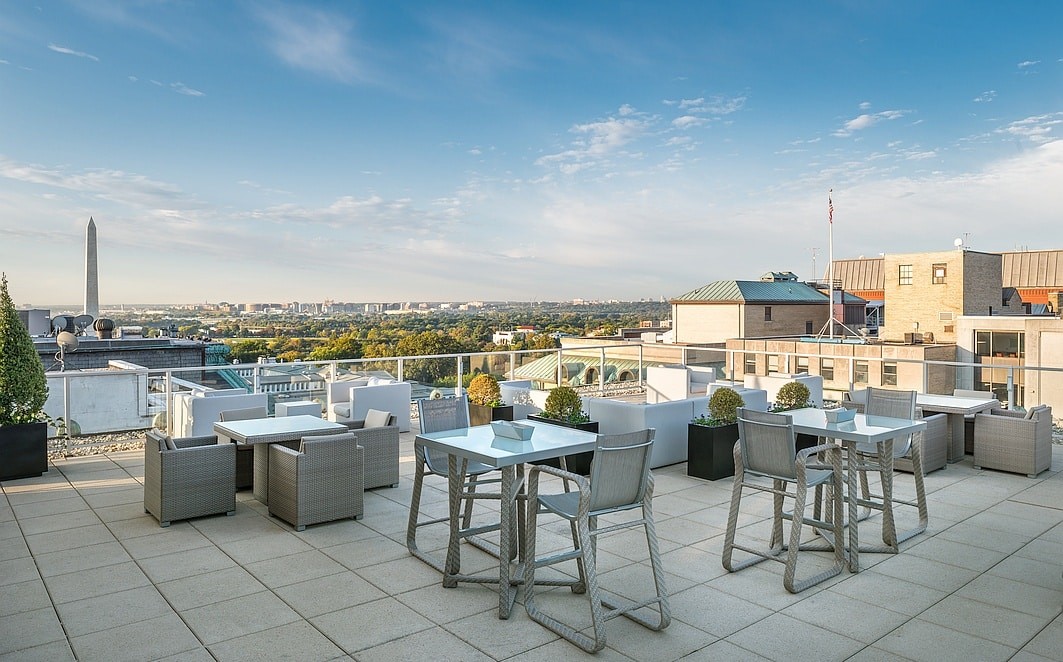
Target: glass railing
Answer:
[[127, 397]]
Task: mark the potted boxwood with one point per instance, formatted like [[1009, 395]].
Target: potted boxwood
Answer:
[[564, 407], [795, 395], [23, 391], [711, 438], [485, 401]]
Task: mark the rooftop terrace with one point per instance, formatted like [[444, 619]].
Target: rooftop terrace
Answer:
[[85, 574]]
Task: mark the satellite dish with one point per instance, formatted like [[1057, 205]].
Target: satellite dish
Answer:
[[958, 243], [62, 323], [67, 342], [82, 322]]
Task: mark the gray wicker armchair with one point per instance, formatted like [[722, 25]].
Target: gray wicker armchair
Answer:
[[381, 452], [245, 457], [319, 483], [195, 477], [1013, 441]]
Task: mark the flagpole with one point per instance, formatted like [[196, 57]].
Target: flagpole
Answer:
[[830, 285]]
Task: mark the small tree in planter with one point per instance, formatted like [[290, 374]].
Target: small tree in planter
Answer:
[[485, 401], [23, 391], [795, 395], [564, 406], [711, 439]]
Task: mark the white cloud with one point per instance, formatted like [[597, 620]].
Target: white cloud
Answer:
[[864, 105], [1036, 129], [1028, 63], [311, 39], [865, 120], [687, 121], [986, 97], [132, 79], [106, 184], [181, 88], [598, 141], [69, 51], [626, 110]]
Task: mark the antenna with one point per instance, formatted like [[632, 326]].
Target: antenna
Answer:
[[67, 342]]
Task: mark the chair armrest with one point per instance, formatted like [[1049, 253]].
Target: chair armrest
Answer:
[[214, 453], [355, 425], [195, 442], [1004, 413]]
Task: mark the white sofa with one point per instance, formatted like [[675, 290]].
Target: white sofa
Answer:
[[666, 383], [669, 419], [772, 384], [518, 392], [350, 400], [196, 413]]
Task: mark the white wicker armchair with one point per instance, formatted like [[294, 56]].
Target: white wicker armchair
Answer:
[[1014, 441]]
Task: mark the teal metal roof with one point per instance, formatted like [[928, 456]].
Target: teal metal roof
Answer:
[[575, 367], [754, 291]]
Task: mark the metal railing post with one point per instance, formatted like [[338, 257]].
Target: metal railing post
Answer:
[[66, 411], [1011, 387], [401, 370], [256, 378], [640, 366], [460, 385], [601, 372], [559, 367], [169, 403], [512, 365]]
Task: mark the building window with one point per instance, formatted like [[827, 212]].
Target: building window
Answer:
[[751, 364], [808, 328], [860, 372], [773, 364], [767, 313], [802, 364], [904, 274], [939, 271], [826, 369], [889, 373]]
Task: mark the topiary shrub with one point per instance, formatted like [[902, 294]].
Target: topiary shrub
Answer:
[[793, 395], [23, 388], [483, 390], [564, 404], [723, 408]]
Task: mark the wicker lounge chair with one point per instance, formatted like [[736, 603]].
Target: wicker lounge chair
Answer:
[[188, 477], [381, 452], [1013, 441], [319, 483], [767, 448], [620, 480]]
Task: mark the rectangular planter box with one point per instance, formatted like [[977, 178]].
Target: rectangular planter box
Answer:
[[23, 450], [710, 451], [483, 415], [577, 463]]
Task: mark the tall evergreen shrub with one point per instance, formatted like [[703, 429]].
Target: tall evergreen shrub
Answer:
[[23, 388]]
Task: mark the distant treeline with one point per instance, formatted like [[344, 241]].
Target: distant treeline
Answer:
[[290, 337]]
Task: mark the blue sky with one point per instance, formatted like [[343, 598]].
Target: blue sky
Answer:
[[385, 151]]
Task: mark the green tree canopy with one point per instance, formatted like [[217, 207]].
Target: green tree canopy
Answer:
[[23, 387]]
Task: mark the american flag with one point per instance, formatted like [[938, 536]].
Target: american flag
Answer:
[[830, 209]]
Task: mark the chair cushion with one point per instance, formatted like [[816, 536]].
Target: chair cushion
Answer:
[[343, 409], [376, 381], [1034, 411], [374, 418], [170, 445]]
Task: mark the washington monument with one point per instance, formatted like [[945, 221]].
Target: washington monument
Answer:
[[92, 282]]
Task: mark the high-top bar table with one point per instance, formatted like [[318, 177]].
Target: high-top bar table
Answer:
[[880, 430], [480, 444], [264, 431]]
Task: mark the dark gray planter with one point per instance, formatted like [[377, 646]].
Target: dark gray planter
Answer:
[[483, 415], [710, 451], [23, 450], [577, 463]]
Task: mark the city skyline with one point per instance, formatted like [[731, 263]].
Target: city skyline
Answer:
[[270, 151]]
